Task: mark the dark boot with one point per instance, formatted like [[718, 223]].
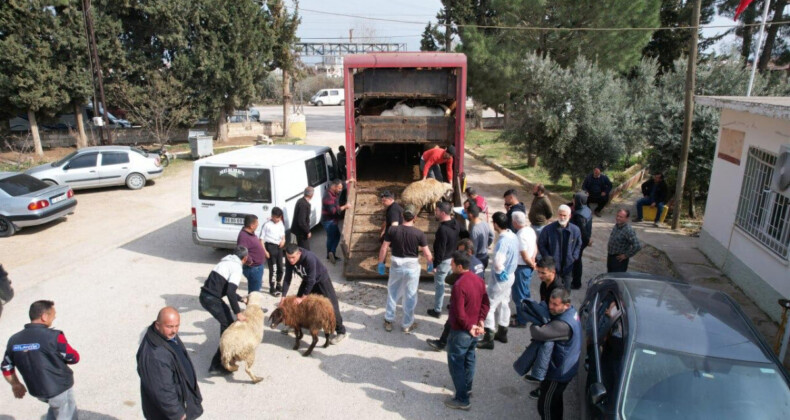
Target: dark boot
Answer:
[[487, 342], [501, 334]]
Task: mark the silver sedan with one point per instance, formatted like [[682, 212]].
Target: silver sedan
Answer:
[[101, 166], [27, 201]]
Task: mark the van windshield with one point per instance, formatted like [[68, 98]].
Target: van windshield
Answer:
[[235, 184]]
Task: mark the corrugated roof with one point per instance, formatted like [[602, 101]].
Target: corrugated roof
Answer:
[[769, 106]]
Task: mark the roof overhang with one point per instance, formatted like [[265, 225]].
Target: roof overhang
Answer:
[[769, 106]]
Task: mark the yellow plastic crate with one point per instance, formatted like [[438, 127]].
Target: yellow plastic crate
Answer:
[[649, 213]]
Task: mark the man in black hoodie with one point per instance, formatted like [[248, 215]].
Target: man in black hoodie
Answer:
[[168, 384], [582, 218]]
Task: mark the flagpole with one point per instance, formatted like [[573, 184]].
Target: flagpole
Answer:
[[759, 46]]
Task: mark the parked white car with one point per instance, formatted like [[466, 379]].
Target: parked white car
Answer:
[[101, 166], [253, 180], [329, 97]]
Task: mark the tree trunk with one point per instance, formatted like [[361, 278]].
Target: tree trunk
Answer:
[[692, 213], [506, 113], [31, 117], [448, 34], [222, 126], [82, 138], [747, 33], [286, 101], [770, 39]]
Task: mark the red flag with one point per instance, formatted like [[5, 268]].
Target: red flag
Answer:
[[741, 7]]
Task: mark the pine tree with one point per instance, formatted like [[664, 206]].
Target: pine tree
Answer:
[[669, 45], [428, 40]]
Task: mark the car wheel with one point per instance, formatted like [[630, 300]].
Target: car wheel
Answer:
[[49, 182], [135, 181], [342, 103], [6, 227], [319, 103]]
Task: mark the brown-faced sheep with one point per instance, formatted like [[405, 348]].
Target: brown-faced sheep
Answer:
[[239, 341], [314, 313], [426, 192]]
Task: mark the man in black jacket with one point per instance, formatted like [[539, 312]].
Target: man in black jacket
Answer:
[[444, 244], [598, 187], [168, 385], [654, 193], [315, 279], [300, 225], [41, 354], [582, 218]]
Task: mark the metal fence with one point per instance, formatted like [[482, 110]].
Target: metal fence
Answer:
[[763, 213]]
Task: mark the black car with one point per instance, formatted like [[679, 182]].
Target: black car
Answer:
[[657, 348]]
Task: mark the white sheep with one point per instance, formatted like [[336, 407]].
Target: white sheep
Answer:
[[426, 192], [239, 341]]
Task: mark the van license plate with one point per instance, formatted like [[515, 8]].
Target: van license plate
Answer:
[[233, 220], [58, 199]]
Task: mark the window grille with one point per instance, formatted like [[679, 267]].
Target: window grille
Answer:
[[763, 213]]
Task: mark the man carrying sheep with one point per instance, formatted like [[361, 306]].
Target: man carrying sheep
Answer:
[[443, 246], [315, 279], [431, 161], [224, 281], [406, 241]]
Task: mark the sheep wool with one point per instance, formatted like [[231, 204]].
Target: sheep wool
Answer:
[[426, 192], [315, 313], [239, 341]]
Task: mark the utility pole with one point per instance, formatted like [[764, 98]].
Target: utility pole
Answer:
[[104, 131], [689, 118], [757, 49], [286, 100], [448, 29]]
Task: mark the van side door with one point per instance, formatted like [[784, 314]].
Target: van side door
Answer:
[[317, 178], [334, 97]]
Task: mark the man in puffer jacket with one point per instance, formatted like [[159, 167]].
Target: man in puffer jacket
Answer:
[[506, 255]]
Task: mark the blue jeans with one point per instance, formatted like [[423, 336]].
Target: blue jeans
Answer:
[[520, 291], [434, 172], [536, 358], [403, 282], [254, 277], [332, 235], [441, 272], [646, 201], [461, 362], [538, 229]]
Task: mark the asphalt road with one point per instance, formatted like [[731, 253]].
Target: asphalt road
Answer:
[[125, 254]]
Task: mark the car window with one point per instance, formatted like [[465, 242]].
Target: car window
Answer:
[[114, 158], [663, 384], [83, 161], [333, 92], [235, 184], [324, 93], [65, 159], [316, 171], [21, 184], [139, 151]]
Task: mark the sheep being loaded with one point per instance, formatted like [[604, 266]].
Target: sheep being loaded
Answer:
[[239, 341], [426, 192], [314, 313]]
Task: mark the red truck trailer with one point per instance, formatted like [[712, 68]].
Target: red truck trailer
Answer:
[[383, 151]]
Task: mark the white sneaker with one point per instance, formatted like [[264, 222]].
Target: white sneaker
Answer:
[[338, 338]]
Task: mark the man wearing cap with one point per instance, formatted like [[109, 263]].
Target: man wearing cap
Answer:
[[598, 187], [393, 213], [432, 159], [404, 280]]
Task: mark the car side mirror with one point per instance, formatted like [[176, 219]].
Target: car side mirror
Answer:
[[66, 167], [596, 393]]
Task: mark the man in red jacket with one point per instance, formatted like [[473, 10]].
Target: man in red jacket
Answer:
[[468, 310], [432, 159]]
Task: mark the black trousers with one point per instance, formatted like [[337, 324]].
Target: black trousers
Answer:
[[325, 289], [550, 400], [577, 271], [302, 240], [600, 200], [445, 333], [566, 280], [276, 256], [614, 266], [221, 312]]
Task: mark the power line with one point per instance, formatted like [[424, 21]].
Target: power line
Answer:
[[549, 29]]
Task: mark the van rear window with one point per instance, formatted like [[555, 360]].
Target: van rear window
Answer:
[[235, 184]]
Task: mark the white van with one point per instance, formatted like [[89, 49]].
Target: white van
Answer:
[[328, 97], [253, 180]]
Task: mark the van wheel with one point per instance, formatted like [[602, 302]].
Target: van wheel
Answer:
[[6, 227], [135, 181], [342, 103], [319, 103]]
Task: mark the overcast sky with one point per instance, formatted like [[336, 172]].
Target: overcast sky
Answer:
[[322, 27]]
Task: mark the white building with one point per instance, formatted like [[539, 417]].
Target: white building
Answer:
[[746, 232]]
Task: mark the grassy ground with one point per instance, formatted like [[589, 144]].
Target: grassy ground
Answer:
[[487, 143]]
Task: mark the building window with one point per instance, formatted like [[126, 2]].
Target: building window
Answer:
[[763, 213]]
